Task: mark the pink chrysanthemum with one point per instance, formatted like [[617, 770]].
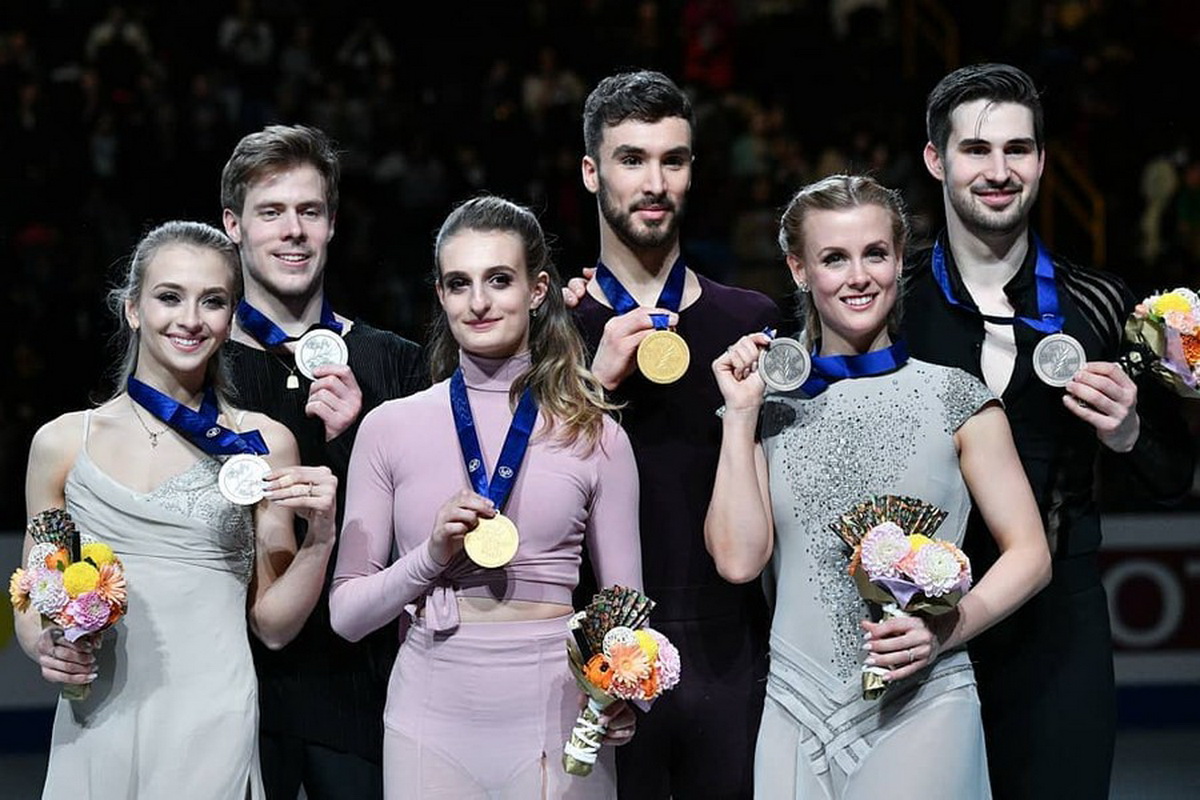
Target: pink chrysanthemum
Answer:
[[938, 568], [46, 591], [111, 585], [89, 613], [882, 547], [668, 665]]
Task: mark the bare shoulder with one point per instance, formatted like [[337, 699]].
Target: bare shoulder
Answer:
[[279, 439], [60, 439]]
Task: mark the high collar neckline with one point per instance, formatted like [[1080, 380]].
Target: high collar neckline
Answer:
[[493, 374]]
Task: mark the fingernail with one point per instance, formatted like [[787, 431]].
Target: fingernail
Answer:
[[866, 646], [870, 661], [866, 636]]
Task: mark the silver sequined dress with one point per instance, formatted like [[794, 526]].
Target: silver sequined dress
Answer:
[[173, 712], [886, 434]]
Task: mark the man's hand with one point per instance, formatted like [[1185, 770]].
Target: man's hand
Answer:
[[335, 398], [576, 288], [616, 355], [1102, 395]]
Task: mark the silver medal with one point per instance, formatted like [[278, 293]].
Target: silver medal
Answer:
[[1057, 358], [241, 478], [784, 365], [319, 347]]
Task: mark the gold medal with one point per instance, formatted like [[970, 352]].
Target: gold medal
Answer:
[[493, 542], [663, 356]]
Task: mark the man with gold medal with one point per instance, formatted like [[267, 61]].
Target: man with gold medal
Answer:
[[654, 326]]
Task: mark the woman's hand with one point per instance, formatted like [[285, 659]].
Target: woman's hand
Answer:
[[736, 371], [621, 723], [457, 516], [311, 492], [67, 662], [902, 645]]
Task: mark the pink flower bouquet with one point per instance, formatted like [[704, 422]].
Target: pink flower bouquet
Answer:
[[74, 581], [897, 564], [1163, 333], [614, 656]]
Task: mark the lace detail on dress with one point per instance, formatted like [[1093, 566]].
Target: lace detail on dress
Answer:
[[831, 461], [194, 493], [962, 395]]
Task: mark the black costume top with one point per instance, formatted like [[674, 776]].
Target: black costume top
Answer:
[[321, 687], [1045, 673], [698, 740]]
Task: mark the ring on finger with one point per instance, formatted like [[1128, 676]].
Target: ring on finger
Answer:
[[310, 490], [911, 658]]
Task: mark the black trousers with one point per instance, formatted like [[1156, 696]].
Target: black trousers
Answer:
[[326, 774], [697, 740]]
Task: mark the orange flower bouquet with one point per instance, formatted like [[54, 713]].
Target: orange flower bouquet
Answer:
[[1163, 335], [614, 656], [73, 580]]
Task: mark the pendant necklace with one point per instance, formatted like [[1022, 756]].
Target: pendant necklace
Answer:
[[152, 434]]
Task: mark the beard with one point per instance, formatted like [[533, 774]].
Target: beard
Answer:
[[978, 217], [641, 236]]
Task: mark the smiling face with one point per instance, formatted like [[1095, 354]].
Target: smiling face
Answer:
[[851, 265], [486, 293], [183, 313], [991, 167], [641, 180], [283, 234]]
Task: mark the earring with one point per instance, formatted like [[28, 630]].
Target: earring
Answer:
[[803, 287], [535, 311]]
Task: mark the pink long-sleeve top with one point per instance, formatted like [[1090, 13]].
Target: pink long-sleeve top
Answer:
[[407, 463]]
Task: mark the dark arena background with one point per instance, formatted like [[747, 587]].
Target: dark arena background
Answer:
[[115, 116]]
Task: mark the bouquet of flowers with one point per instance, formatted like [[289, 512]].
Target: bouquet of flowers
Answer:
[[73, 580], [897, 564], [1164, 337], [614, 656]]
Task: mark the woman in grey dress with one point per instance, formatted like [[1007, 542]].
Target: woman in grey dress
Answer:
[[171, 709], [869, 421]]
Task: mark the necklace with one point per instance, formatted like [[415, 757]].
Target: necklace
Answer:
[[293, 381], [152, 434]]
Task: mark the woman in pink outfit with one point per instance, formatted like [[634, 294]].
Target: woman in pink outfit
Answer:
[[514, 434]]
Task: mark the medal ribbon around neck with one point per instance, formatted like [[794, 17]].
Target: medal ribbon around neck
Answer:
[[1049, 318], [515, 442], [268, 334], [198, 427], [622, 301], [830, 369]]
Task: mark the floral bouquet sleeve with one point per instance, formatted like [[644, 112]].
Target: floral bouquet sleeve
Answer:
[[898, 565], [73, 580], [1163, 337], [614, 656]]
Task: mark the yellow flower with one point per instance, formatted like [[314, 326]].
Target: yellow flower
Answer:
[[1171, 301], [80, 577], [648, 645], [917, 541], [98, 552], [18, 590]]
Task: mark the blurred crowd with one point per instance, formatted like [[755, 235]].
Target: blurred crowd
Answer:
[[115, 116]]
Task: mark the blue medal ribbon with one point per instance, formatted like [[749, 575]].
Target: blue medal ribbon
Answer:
[[198, 427], [830, 369], [515, 442], [268, 334], [622, 301], [1049, 318]]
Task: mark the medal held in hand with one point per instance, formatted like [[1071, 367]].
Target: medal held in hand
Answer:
[[241, 478], [1057, 358], [785, 364], [663, 356], [317, 348], [493, 542]]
